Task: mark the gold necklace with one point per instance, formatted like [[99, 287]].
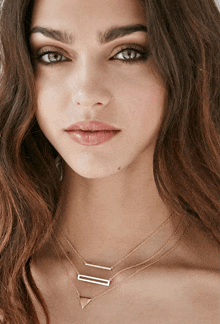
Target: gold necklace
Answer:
[[84, 301], [118, 262]]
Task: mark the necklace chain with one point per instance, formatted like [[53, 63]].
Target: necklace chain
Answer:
[[130, 267], [144, 267], [137, 271], [125, 257]]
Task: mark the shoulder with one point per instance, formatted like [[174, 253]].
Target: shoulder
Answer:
[[186, 282], [201, 249]]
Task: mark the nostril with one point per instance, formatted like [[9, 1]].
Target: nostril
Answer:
[[98, 103]]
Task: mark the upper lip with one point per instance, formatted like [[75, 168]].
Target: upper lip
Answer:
[[90, 126]]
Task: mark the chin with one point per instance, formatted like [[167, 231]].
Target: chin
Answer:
[[91, 170]]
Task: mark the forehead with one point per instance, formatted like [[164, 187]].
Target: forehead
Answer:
[[87, 16]]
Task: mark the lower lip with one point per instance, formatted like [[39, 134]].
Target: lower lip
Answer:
[[92, 138]]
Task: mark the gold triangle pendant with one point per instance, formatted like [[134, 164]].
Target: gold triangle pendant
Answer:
[[84, 301]]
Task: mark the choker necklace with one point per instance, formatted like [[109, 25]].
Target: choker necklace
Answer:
[[84, 301]]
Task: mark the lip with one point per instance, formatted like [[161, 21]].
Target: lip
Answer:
[[89, 133], [91, 126]]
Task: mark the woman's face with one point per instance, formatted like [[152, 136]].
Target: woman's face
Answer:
[[88, 76]]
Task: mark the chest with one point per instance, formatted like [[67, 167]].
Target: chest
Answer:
[[145, 300]]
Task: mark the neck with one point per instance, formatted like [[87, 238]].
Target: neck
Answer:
[[108, 217]]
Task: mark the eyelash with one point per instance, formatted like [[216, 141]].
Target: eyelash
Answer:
[[144, 56]]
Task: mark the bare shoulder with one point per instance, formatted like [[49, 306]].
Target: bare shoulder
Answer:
[[201, 249], [195, 263], [184, 287]]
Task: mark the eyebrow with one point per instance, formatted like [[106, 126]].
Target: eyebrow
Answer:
[[103, 38]]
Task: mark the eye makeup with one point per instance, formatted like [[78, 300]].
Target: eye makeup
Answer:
[[50, 55]]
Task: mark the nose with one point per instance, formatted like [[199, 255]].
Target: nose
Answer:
[[91, 91]]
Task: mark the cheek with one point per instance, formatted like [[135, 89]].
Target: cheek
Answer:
[[50, 94], [143, 102], [50, 103], [49, 88], [154, 101]]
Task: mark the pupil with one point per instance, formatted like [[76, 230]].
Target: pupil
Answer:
[[128, 54], [55, 57]]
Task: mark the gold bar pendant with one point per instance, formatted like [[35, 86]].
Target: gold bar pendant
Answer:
[[97, 266], [95, 280]]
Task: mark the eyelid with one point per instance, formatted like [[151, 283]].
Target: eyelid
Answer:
[[131, 46], [45, 49], [38, 51]]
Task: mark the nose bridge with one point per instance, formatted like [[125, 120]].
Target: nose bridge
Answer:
[[90, 86]]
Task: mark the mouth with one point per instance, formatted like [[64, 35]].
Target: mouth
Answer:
[[92, 137], [95, 131], [92, 132], [91, 126]]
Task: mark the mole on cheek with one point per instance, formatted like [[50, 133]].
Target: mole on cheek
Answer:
[[119, 168]]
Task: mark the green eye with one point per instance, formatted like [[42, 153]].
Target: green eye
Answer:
[[51, 58], [128, 54], [131, 55]]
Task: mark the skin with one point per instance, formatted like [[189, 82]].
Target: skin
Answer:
[[109, 202]]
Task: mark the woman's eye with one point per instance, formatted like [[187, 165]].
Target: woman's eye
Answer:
[[51, 58], [129, 55]]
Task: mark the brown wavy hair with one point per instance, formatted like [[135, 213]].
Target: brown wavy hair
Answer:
[[184, 38]]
